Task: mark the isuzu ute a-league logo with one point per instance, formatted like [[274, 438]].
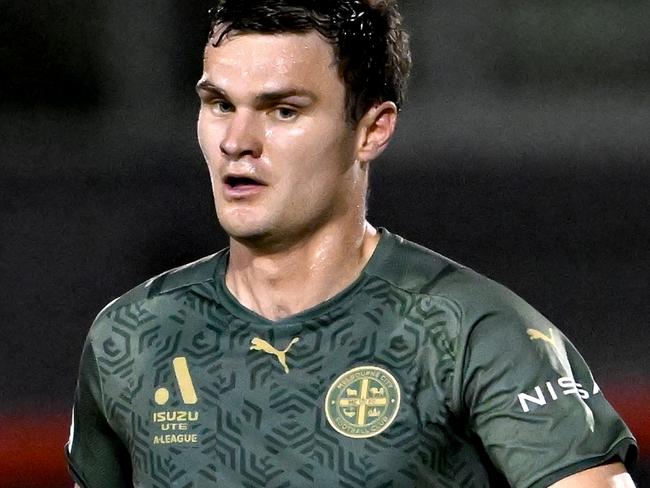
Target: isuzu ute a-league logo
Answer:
[[362, 402], [175, 424]]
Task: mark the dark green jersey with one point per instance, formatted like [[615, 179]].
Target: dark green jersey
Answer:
[[421, 373]]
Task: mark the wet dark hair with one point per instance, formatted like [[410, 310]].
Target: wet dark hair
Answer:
[[371, 48]]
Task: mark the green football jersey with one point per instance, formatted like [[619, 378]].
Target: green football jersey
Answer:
[[422, 373]]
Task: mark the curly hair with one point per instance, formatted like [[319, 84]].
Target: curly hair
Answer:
[[370, 45]]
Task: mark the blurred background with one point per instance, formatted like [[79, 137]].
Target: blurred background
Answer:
[[523, 152]]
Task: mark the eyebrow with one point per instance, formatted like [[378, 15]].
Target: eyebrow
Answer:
[[272, 97], [262, 99], [205, 85]]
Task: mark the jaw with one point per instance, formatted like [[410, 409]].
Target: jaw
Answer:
[[286, 217], [242, 220]]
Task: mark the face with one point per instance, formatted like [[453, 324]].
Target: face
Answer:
[[272, 128]]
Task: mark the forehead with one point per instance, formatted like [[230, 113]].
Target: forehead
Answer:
[[271, 61]]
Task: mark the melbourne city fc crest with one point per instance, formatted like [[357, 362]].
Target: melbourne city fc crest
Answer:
[[362, 402]]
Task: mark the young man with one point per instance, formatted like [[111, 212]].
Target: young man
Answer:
[[317, 350]]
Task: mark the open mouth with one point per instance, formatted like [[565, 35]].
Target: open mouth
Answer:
[[240, 181]]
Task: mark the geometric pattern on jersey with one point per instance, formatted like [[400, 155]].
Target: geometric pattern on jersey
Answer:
[[255, 425]]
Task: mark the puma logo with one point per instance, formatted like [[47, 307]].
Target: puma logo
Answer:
[[258, 344], [537, 335]]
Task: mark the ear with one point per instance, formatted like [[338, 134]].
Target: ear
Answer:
[[375, 130]]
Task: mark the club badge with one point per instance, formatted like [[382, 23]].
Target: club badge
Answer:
[[362, 402]]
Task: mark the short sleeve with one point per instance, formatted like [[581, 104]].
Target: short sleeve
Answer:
[[533, 402], [96, 456]]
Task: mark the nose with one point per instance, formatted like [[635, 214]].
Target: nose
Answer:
[[242, 137]]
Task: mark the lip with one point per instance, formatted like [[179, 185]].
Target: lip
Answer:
[[234, 190]]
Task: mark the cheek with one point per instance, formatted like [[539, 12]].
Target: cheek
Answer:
[[310, 149], [291, 151], [200, 127], [286, 140], [208, 137], [209, 147]]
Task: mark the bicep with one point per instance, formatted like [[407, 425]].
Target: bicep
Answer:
[[96, 455], [611, 475], [534, 404]]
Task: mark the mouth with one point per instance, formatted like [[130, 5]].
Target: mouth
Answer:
[[240, 181], [238, 187]]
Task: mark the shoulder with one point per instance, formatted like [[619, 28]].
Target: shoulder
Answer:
[[421, 271], [195, 273], [470, 307]]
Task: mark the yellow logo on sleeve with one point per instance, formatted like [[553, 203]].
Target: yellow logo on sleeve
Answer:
[[535, 334]]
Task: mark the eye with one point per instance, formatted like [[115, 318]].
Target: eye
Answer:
[[286, 113], [222, 106]]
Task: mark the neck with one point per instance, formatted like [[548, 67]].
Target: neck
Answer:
[[280, 283]]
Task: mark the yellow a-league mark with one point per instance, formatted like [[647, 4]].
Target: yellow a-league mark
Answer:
[[161, 396], [184, 381], [185, 385]]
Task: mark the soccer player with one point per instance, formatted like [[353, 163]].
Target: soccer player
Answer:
[[317, 350]]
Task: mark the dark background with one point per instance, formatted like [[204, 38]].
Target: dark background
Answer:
[[523, 152]]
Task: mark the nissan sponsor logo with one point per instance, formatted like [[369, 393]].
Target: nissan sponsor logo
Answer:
[[552, 391]]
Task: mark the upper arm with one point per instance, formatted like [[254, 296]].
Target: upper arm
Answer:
[[533, 402], [611, 475], [96, 455]]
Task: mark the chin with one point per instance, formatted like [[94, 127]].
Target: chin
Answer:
[[241, 222], [243, 231], [262, 238]]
